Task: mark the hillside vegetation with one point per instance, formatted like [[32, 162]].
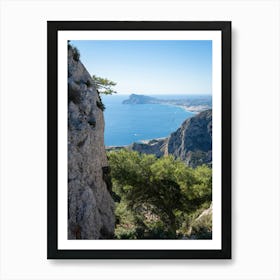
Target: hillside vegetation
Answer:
[[159, 197]]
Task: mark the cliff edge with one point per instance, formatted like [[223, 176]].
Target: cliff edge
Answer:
[[90, 206], [192, 142]]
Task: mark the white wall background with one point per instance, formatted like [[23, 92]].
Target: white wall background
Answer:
[[255, 103]]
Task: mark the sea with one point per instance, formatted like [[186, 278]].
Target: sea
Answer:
[[128, 123]]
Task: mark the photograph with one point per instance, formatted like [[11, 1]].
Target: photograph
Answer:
[[140, 139], [142, 148]]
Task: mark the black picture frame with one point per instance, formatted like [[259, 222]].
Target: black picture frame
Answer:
[[53, 27]]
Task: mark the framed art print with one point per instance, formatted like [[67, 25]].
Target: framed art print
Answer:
[[139, 140]]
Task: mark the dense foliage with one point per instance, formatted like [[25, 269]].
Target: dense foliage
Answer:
[[159, 198]]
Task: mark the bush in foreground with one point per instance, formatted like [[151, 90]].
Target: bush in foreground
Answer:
[[159, 197]]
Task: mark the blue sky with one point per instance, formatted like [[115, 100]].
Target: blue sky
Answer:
[[151, 67]]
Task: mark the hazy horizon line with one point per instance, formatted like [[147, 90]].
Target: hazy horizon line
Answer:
[[162, 93]]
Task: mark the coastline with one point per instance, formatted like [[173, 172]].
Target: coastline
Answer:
[[186, 111], [145, 141], [191, 109]]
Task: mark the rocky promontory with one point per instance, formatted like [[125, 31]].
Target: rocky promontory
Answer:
[[192, 103], [140, 99]]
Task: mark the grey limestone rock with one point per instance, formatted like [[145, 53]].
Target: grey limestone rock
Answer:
[[192, 142], [90, 206]]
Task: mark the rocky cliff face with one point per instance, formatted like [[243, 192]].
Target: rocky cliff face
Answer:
[[192, 142], [90, 206]]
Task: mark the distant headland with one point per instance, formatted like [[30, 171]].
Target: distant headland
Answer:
[[192, 103]]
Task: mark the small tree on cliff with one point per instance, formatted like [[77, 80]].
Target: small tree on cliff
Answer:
[[103, 85]]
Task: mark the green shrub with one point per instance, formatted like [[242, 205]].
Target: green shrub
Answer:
[[202, 227], [201, 223], [100, 105], [69, 45], [76, 53], [88, 83]]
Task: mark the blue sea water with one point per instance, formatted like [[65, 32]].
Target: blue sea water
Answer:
[[128, 123]]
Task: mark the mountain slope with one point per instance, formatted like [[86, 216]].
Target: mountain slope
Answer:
[[192, 142]]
